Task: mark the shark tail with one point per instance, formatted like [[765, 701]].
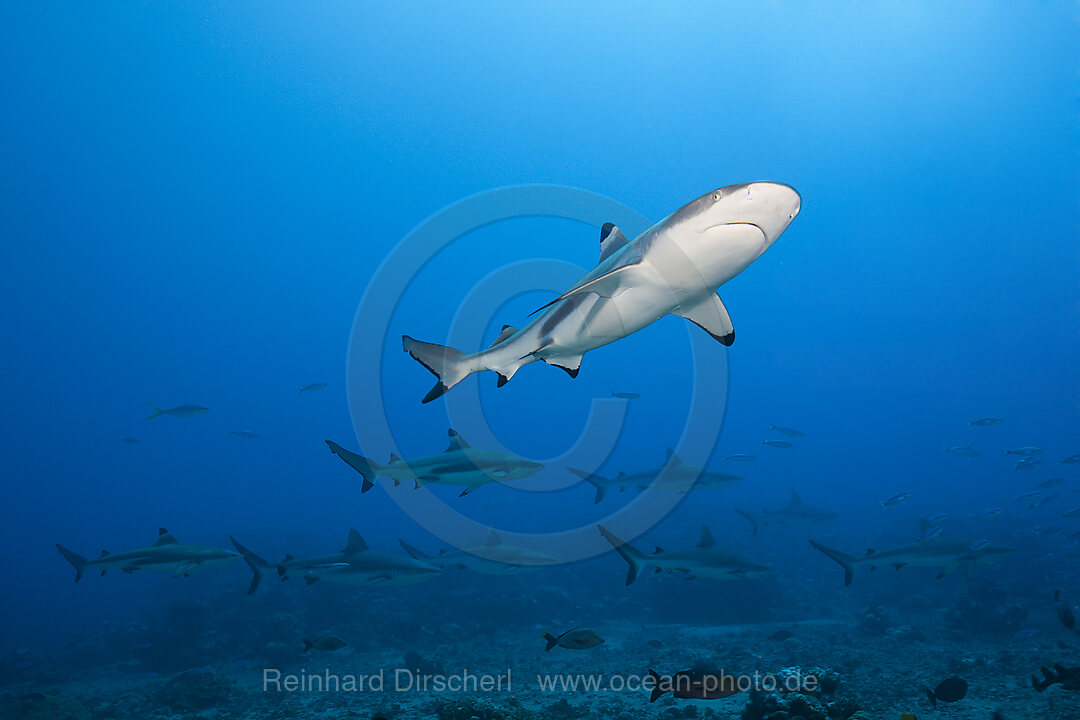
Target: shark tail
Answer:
[[657, 690], [751, 517], [845, 561], [360, 464], [633, 557], [157, 411], [77, 561], [595, 480], [450, 366], [257, 564], [308, 644], [552, 641]]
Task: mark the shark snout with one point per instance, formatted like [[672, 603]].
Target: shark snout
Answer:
[[773, 207]]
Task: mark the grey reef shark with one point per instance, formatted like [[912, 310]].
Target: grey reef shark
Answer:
[[167, 555], [675, 267], [706, 560], [459, 464]]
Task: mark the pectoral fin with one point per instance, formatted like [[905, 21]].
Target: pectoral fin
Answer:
[[605, 285], [712, 317]]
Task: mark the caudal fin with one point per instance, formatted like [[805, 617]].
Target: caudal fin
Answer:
[[751, 517], [257, 564], [360, 464], [658, 687], [447, 364], [595, 480], [157, 411], [77, 561], [633, 557], [845, 561], [308, 644], [552, 641]]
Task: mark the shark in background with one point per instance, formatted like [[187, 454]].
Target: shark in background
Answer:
[[935, 551], [705, 560], [167, 555], [679, 477], [494, 557], [674, 267], [459, 464], [795, 513], [356, 564]]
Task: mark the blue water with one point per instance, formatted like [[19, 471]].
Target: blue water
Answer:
[[196, 196]]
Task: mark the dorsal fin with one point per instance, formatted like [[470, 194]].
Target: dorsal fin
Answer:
[[165, 538], [394, 458], [621, 474], [355, 543], [507, 331], [795, 499], [673, 458], [289, 558], [611, 240], [707, 540], [105, 553], [493, 538], [659, 550], [456, 441]]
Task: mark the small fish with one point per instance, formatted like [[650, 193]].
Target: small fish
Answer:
[[950, 690], [576, 639], [778, 443], [1029, 451], [327, 643], [1052, 482], [130, 440], [1026, 632], [781, 635], [965, 450], [978, 545], [1050, 530], [1071, 460], [143, 646], [938, 518], [987, 512], [1029, 463], [740, 457], [693, 685], [786, 431], [1075, 512], [896, 499], [245, 434], [1049, 499], [180, 411], [931, 533], [1023, 497], [309, 388], [625, 395], [985, 422]]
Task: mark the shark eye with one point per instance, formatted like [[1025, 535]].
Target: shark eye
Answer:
[[717, 195]]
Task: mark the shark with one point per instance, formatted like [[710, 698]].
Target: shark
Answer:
[[673, 268], [706, 560], [356, 564], [167, 555], [678, 478], [795, 512], [494, 557], [941, 552], [459, 464]]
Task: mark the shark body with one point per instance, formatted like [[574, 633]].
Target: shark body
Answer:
[[941, 552], [494, 557], [356, 564], [674, 267], [167, 555], [794, 513], [706, 560], [459, 464], [678, 478]]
